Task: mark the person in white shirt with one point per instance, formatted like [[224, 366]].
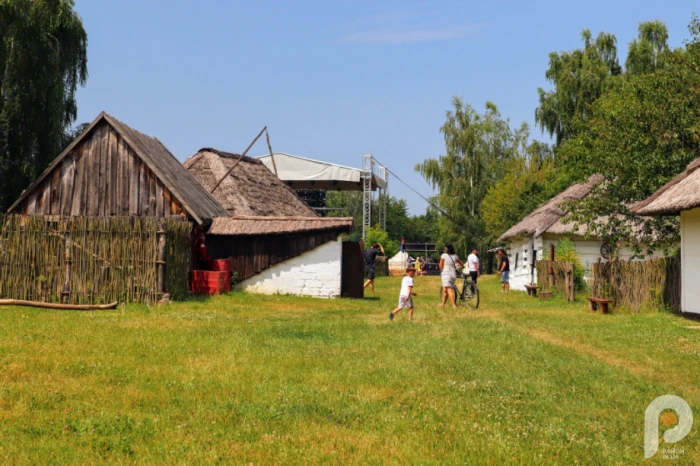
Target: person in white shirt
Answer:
[[406, 294], [473, 265], [449, 264]]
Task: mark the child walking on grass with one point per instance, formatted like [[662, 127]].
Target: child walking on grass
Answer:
[[406, 294]]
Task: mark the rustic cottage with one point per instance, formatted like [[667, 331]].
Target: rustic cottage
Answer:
[[276, 243], [531, 238], [681, 196], [112, 170]]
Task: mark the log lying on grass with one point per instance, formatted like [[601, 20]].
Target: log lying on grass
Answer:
[[65, 307]]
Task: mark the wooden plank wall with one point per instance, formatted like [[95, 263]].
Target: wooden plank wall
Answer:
[[101, 177], [252, 254]]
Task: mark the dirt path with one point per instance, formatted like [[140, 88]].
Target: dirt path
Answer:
[[665, 376]]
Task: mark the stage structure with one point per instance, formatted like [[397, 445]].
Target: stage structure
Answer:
[[304, 173]]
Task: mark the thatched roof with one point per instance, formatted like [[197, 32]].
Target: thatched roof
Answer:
[[548, 216], [250, 190], [247, 225], [681, 193], [197, 201]]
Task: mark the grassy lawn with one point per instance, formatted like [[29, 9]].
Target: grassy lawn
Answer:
[[253, 379]]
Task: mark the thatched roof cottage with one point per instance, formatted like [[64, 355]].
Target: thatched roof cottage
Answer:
[[530, 239], [681, 196], [276, 242]]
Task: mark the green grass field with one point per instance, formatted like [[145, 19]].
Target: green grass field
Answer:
[[254, 379]]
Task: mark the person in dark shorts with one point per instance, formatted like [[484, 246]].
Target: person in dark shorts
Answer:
[[473, 265], [371, 263], [504, 270]]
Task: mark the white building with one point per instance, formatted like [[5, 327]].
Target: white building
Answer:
[[530, 239], [681, 196], [276, 243]]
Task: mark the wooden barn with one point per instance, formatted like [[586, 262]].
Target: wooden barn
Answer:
[[276, 243], [112, 170]]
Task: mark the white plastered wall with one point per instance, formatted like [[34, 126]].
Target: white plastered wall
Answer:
[[588, 251], [316, 273], [520, 255], [690, 261]]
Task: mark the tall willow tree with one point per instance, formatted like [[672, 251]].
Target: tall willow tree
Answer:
[[43, 59], [579, 77], [477, 147], [649, 50]]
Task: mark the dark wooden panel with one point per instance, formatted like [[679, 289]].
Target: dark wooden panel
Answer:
[[55, 191], [103, 157], [124, 158], [133, 184], [76, 208], [351, 284], [254, 254], [113, 179], [93, 172], [67, 184]]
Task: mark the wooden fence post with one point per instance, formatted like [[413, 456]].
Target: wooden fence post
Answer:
[[160, 263], [65, 296], [570, 285]]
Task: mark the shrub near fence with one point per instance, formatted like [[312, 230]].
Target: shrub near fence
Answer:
[[638, 284], [88, 260], [562, 278]]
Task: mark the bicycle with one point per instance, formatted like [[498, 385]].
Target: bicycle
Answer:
[[469, 296]]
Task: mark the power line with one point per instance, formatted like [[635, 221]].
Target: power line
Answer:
[[431, 203]]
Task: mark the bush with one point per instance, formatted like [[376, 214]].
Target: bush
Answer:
[[377, 235], [565, 251]]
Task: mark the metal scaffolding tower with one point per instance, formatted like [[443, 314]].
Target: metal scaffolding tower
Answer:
[[367, 174], [383, 197], [368, 164]]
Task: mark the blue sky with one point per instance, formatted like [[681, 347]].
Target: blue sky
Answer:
[[334, 79]]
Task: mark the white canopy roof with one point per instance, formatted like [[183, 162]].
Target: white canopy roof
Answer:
[[302, 173]]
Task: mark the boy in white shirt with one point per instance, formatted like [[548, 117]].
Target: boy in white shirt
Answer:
[[473, 265], [405, 296]]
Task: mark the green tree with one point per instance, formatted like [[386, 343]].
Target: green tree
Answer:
[[530, 180], [641, 133], [478, 148], [579, 77], [43, 58], [647, 52]]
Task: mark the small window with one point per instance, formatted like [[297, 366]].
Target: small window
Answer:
[[515, 266]]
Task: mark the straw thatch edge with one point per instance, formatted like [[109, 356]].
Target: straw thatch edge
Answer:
[[241, 225]]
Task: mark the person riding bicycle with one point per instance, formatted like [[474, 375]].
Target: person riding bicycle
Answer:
[[449, 263]]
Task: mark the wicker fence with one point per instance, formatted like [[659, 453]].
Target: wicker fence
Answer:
[[556, 276], [83, 260], [638, 284]]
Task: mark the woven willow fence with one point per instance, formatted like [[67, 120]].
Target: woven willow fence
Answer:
[[639, 284], [87, 260], [556, 276]]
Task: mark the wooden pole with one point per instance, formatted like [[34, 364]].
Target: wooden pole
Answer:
[[66, 280], [160, 263], [272, 154], [239, 160], [66, 307]]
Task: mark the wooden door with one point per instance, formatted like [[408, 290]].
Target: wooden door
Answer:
[[353, 270]]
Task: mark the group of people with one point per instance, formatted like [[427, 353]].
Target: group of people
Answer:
[[450, 264]]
